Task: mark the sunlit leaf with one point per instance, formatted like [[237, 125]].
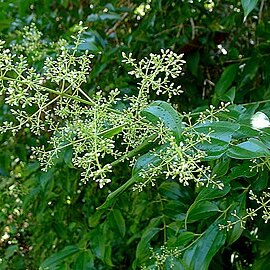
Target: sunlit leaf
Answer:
[[248, 6], [252, 148], [162, 111]]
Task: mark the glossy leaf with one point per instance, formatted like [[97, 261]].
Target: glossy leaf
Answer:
[[162, 111], [202, 210], [200, 254], [252, 148], [148, 159], [181, 240], [261, 181], [220, 133], [210, 193], [175, 191], [221, 168]]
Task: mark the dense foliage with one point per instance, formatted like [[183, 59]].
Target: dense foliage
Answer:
[[134, 134]]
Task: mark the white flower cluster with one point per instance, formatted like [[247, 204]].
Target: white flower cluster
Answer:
[[97, 135]]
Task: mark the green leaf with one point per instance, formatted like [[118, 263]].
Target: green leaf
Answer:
[[162, 111], [210, 193], [242, 170], [174, 191], [225, 81], [239, 205], [230, 95], [221, 168], [112, 131], [150, 158], [181, 240], [246, 131], [220, 133], [171, 190], [175, 209], [193, 62], [94, 219], [119, 221], [60, 256], [252, 148], [108, 256], [202, 210], [248, 6], [112, 196], [207, 194], [103, 17], [142, 163], [110, 16], [85, 261], [265, 137], [261, 181], [98, 243], [142, 250], [261, 262], [176, 263], [9, 252], [200, 254]]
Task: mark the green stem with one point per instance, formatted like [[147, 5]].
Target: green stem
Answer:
[[136, 150], [61, 94]]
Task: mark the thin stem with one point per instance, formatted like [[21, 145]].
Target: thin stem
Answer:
[[61, 94]]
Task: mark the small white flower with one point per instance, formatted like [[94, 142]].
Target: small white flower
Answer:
[[260, 120]]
